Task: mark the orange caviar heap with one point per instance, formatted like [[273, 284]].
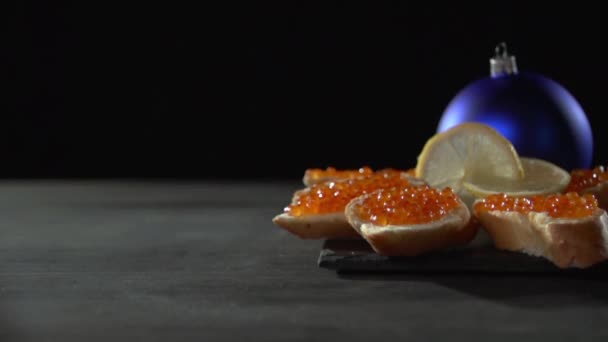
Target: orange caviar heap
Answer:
[[569, 205], [582, 179], [407, 205], [365, 171], [332, 197], [342, 174]]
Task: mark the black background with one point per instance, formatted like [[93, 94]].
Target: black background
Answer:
[[263, 90]]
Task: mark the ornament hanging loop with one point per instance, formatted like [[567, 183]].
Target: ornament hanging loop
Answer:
[[502, 63], [501, 50]]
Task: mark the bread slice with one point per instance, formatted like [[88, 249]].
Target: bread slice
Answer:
[[333, 225], [454, 229], [325, 226], [567, 243]]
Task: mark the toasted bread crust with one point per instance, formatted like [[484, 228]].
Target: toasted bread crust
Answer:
[[453, 230], [326, 226], [576, 243]]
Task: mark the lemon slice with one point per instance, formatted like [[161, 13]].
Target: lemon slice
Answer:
[[541, 178], [467, 152]]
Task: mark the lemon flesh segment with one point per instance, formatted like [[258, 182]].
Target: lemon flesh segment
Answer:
[[541, 178], [467, 152]]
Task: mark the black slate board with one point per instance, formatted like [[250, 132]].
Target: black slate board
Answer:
[[357, 255]]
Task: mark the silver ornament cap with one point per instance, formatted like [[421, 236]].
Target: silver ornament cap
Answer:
[[502, 63]]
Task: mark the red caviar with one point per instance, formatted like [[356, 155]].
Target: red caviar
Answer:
[[339, 174], [569, 205], [365, 171], [407, 205], [332, 197], [582, 179]]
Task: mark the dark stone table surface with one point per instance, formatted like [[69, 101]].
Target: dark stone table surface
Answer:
[[196, 261]]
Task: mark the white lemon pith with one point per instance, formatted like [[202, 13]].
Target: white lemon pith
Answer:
[[468, 152]]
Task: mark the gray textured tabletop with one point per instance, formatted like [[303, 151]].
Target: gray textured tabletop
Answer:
[[161, 261]]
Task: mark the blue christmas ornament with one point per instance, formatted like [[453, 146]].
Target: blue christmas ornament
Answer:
[[539, 116]]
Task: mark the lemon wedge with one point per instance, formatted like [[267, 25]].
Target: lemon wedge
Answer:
[[541, 178], [468, 152]]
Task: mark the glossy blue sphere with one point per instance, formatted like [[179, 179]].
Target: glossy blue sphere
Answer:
[[540, 117]]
